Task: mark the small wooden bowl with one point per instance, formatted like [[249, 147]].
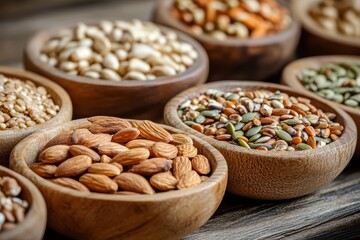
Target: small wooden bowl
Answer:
[[33, 226], [315, 40], [131, 99], [79, 215], [274, 175], [9, 138], [289, 78], [255, 59]]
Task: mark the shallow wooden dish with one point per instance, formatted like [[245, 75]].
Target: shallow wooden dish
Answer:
[[254, 59], [9, 138], [33, 226], [132, 99], [315, 40], [274, 175], [289, 78], [80, 215]]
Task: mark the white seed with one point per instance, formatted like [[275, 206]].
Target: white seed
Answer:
[[132, 75], [91, 74], [110, 74], [121, 54], [143, 51], [111, 62], [163, 71], [106, 26], [81, 53], [95, 67], [138, 65], [67, 66], [80, 31], [117, 35], [102, 45]]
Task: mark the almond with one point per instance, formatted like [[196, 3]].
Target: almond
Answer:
[[188, 180], [105, 169], [126, 135], [201, 164], [152, 166], [98, 183], [179, 138], [132, 157], [95, 140], [111, 149], [187, 150], [79, 135], [43, 170], [163, 150], [70, 183], [76, 150], [134, 183], [139, 143], [154, 132], [181, 166], [126, 193], [204, 178], [73, 167], [55, 154], [105, 124], [105, 159], [61, 139], [164, 181], [118, 165]]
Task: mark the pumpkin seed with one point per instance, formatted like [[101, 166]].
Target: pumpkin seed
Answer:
[[230, 129], [255, 137], [243, 143], [210, 113], [248, 117], [256, 145], [238, 134], [284, 135], [200, 119], [303, 146], [239, 126], [292, 121], [252, 131]]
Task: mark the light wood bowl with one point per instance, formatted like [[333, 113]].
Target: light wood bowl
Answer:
[[79, 215], [274, 175], [131, 99], [9, 138], [315, 40], [255, 59], [289, 78], [33, 226]]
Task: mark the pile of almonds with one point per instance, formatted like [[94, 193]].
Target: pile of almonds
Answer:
[[232, 18], [114, 156], [12, 207], [119, 50]]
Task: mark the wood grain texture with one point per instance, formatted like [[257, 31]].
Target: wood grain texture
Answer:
[[81, 215], [9, 138], [132, 99], [33, 226], [289, 78], [234, 58], [274, 175]]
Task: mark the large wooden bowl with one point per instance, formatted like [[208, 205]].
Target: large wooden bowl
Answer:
[[289, 78], [33, 226], [255, 59], [131, 99], [168, 215], [317, 41], [9, 138], [274, 175]]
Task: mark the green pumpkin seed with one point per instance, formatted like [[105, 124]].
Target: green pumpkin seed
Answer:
[[239, 125], [284, 135], [356, 97], [233, 96], [200, 109], [180, 112], [238, 134], [252, 131], [303, 146], [263, 139], [214, 105], [338, 98], [305, 121], [230, 129], [255, 137], [326, 140], [247, 117], [189, 123], [243, 143], [292, 122], [200, 119], [256, 145], [210, 113], [351, 102]]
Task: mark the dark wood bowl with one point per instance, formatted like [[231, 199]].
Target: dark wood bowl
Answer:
[[9, 138], [33, 226], [255, 59], [167, 215], [274, 175], [289, 78], [132, 99]]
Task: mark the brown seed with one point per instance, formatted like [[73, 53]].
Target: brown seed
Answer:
[[76, 150], [139, 143], [220, 131], [98, 183], [297, 140], [179, 138], [280, 111], [104, 169], [74, 166], [55, 154], [334, 137], [134, 183], [210, 131], [338, 127], [267, 120], [163, 150], [208, 121], [132, 157], [262, 148], [187, 150], [105, 124], [326, 133], [310, 130], [228, 111], [188, 180], [111, 149], [181, 165], [163, 181], [70, 183], [43, 170], [152, 166], [256, 122], [154, 132], [201, 164], [126, 135], [336, 132], [311, 142], [198, 127], [105, 159], [224, 137], [61, 139], [247, 126]]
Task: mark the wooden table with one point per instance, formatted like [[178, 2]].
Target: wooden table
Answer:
[[330, 213]]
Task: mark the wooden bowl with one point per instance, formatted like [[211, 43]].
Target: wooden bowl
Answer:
[[79, 215], [274, 175], [315, 40], [289, 78], [255, 59], [131, 99], [33, 226], [9, 138]]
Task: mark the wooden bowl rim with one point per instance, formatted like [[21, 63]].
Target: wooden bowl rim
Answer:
[[37, 202], [31, 51], [65, 101], [162, 7], [216, 177], [311, 26], [170, 117], [289, 75]]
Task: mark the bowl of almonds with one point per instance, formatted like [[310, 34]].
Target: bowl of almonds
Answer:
[[107, 67], [23, 209], [278, 143], [28, 102], [252, 34], [106, 177]]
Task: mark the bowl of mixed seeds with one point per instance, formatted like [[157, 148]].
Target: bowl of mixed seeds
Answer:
[[278, 143]]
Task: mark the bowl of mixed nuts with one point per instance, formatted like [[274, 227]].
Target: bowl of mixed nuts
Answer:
[[278, 143], [252, 34], [28, 102], [123, 178], [335, 79], [118, 68], [23, 209]]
